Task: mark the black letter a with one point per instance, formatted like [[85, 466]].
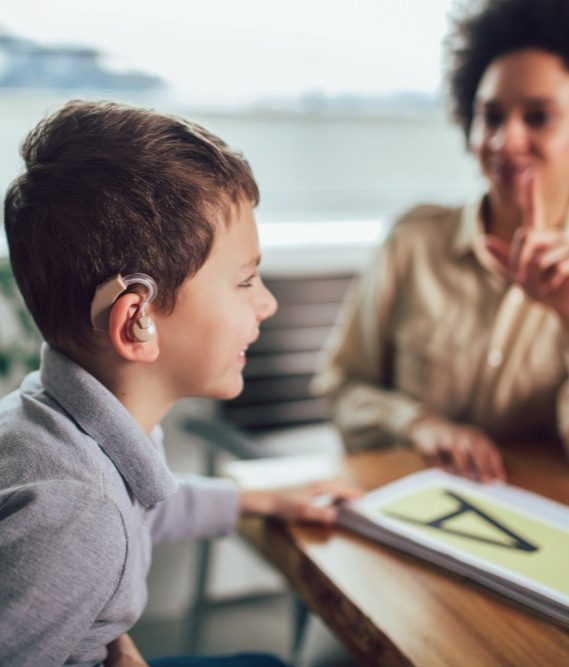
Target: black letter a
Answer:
[[515, 541]]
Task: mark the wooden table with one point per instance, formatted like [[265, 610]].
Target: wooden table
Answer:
[[390, 609]]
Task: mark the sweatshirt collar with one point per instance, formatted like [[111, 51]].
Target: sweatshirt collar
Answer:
[[101, 415]]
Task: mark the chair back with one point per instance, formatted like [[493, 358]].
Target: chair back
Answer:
[[282, 363]]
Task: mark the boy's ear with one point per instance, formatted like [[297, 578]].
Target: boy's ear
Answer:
[[122, 315]]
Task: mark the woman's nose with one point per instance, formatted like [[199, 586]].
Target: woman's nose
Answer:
[[510, 137]]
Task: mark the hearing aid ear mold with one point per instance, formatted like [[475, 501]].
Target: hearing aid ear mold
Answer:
[[143, 329]]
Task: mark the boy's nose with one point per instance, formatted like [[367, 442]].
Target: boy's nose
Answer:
[[268, 305]]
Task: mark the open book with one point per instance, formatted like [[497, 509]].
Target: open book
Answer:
[[510, 540]]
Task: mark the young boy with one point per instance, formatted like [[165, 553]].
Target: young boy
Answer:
[[133, 242]]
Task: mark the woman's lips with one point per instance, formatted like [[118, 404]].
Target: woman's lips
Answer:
[[509, 172]]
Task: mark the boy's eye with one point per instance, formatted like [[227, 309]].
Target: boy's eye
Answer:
[[248, 282]]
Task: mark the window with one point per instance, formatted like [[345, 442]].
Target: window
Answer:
[[336, 104]]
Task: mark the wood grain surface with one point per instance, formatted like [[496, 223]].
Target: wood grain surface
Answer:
[[391, 609]]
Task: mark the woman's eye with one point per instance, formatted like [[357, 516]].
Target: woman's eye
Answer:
[[492, 117]]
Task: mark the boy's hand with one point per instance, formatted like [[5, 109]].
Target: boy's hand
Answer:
[[316, 503], [458, 449], [122, 652], [538, 256]]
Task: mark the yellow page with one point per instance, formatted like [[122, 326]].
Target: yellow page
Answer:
[[487, 530]]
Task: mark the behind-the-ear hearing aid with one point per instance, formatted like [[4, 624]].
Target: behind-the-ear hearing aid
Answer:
[[143, 328]]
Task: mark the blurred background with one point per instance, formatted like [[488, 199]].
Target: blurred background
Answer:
[[338, 106]]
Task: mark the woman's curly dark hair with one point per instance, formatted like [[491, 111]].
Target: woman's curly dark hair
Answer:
[[483, 30]]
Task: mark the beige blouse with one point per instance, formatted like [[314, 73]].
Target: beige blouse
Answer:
[[434, 326]]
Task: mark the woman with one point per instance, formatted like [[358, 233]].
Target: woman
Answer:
[[459, 332]]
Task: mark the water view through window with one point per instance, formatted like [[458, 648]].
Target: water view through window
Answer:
[[337, 106]]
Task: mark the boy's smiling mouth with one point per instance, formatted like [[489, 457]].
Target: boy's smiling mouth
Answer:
[[243, 352]]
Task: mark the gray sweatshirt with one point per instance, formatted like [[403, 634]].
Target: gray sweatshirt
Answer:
[[83, 495]]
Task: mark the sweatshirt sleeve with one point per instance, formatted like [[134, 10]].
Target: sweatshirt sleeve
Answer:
[[355, 373], [201, 507], [62, 549]]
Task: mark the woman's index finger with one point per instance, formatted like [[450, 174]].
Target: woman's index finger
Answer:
[[534, 214]]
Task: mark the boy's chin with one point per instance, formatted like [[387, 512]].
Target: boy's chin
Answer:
[[228, 392]]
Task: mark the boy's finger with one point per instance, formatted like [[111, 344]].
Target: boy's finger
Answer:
[[322, 500], [336, 489], [326, 515]]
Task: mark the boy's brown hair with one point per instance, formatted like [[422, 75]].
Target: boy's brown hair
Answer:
[[108, 189]]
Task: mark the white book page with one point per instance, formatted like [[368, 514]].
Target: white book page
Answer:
[[283, 471], [518, 536]]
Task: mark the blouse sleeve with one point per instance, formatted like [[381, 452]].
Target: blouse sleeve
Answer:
[[563, 400], [355, 375]]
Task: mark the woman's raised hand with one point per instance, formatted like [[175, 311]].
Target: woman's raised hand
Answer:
[[538, 256]]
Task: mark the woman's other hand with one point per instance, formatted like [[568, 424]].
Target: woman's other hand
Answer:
[[459, 449]]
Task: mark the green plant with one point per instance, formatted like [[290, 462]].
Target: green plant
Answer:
[[20, 339]]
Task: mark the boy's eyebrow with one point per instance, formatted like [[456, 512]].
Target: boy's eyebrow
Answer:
[[252, 263]]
